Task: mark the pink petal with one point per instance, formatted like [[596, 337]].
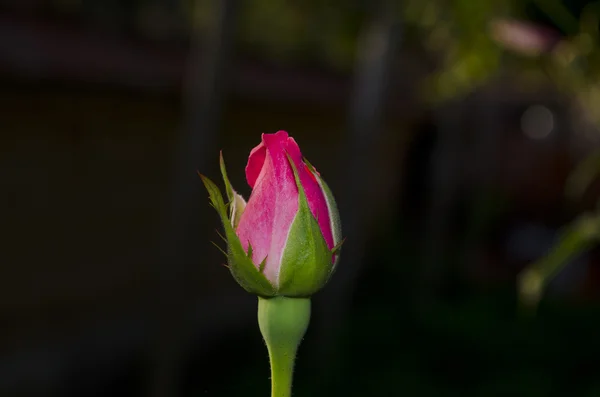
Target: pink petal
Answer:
[[271, 208], [273, 204], [255, 163], [314, 194]]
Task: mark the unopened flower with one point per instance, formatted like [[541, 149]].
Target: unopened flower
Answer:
[[286, 239]]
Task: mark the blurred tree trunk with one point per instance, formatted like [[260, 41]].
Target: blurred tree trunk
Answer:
[[487, 134], [184, 239], [445, 180], [377, 45]]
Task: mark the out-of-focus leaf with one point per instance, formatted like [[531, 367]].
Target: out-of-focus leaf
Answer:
[[559, 14], [583, 176], [576, 239]]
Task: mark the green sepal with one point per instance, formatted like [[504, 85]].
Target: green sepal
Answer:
[[249, 254], [237, 204], [261, 267], [335, 250], [228, 187], [241, 266], [334, 214], [306, 263]]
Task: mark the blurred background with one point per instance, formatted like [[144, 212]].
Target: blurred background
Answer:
[[461, 139]]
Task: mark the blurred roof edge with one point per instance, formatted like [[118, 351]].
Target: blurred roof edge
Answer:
[[34, 51]]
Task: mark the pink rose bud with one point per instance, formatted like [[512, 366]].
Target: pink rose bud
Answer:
[[285, 240]]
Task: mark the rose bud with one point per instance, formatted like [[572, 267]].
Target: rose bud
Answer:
[[286, 239]]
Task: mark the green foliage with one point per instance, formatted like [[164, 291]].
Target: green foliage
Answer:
[[457, 33], [577, 238], [583, 176], [307, 31]]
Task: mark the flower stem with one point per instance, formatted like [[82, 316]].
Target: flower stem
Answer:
[[283, 322]]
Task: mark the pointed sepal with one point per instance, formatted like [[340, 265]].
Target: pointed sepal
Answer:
[[241, 266], [237, 204], [306, 262], [228, 187], [335, 250], [334, 215]]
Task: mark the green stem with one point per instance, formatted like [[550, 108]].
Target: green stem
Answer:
[[283, 322]]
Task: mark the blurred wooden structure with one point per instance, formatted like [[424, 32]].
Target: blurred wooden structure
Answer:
[[90, 127], [90, 123]]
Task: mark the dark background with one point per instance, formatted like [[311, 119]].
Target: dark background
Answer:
[[451, 133]]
